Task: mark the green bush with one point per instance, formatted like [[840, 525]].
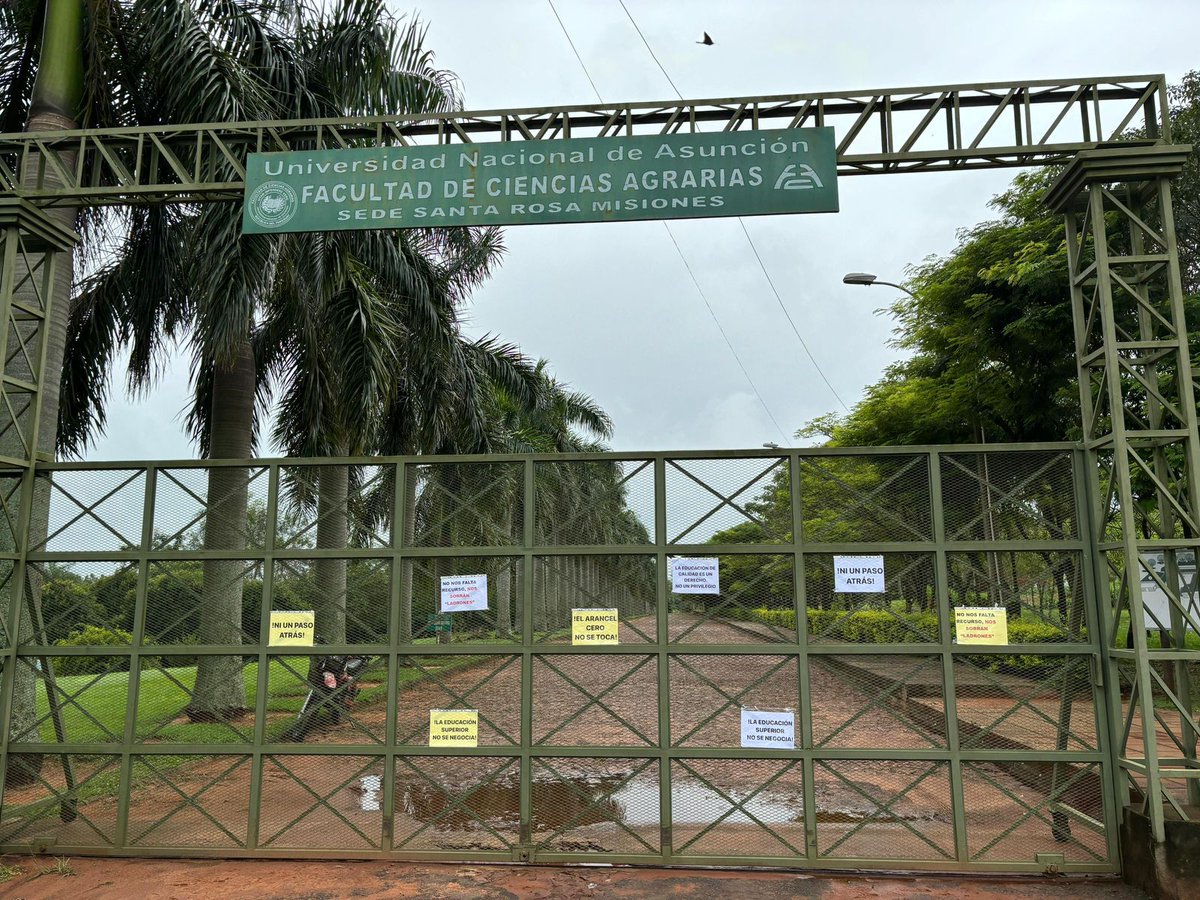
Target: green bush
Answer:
[[94, 636], [1021, 632], [866, 626], [877, 626], [778, 618], [880, 626]]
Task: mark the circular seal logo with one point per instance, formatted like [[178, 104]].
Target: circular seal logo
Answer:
[[272, 204]]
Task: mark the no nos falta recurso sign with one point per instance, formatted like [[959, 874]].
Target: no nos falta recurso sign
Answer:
[[609, 179]]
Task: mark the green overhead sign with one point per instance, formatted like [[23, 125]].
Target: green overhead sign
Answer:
[[614, 179]]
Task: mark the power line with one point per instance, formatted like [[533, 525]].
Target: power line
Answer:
[[575, 51], [671, 234], [750, 240], [651, 49], [728, 344], [779, 300]]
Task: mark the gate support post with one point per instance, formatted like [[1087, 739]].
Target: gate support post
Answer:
[[1139, 424], [33, 246]]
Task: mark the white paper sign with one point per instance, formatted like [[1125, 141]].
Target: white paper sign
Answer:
[[695, 576], [858, 574], [461, 593], [773, 730]]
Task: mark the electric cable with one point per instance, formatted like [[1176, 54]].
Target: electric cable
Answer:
[[728, 343], [750, 240], [686, 265], [653, 56], [779, 300], [575, 51]]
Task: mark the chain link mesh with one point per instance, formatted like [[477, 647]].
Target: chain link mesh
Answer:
[[145, 682]]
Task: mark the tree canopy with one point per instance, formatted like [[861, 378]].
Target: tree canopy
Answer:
[[988, 333]]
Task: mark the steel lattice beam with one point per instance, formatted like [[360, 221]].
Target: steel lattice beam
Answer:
[[1139, 420], [938, 128]]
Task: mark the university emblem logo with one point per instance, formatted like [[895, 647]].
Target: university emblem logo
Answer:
[[272, 204]]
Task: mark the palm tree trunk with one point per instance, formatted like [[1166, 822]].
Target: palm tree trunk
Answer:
[[219, 693], [541, 588], [332, 532], [407, 538], [54, 106], [504, 583]]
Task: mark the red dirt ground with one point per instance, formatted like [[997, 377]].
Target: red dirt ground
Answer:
[[846, 791], [99, 879]]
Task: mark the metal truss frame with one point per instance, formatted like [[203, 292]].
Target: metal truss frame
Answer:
[[1137, 398], [1136, 378], [1063, 785], [936, 128]]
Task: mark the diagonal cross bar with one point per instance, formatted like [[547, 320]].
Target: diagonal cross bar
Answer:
[[883, 808], [459, 803], [736, 805], [596, 700], [725, 501], [730, 699], [191, 800], [322, 800], [592, 803]]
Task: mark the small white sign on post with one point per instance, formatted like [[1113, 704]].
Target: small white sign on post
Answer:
[[773, 730], [695, 576], [858, 574], [462, 593]]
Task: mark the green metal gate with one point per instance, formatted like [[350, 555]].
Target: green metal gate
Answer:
[[911, 750]]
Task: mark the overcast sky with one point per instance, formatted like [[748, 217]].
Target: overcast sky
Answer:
[[612, 306]]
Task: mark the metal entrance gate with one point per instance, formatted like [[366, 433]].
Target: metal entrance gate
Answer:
[[911, 750]]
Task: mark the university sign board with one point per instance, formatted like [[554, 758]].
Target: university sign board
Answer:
[[612, 179]]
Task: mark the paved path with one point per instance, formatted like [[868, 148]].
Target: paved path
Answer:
[[149, 879]]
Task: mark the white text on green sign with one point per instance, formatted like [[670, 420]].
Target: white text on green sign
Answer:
[[519, 183]]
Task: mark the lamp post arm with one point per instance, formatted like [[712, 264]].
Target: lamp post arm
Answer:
[[898, 287]]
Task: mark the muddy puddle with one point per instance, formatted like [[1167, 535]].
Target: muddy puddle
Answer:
[[585, 801]]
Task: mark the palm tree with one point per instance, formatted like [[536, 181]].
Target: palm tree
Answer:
[[187, 274], [443, 402], [350, 312], [67, 64], [38, 98], [356, 61], [553, 419]]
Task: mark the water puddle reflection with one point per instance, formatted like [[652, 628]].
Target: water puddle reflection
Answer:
[[586, 801]]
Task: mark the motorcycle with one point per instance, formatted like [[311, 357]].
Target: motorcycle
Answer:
[[333, 688]]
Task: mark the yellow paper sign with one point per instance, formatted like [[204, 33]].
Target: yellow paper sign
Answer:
[[981, 624], [594, 626], [454, 728], [292, 628]]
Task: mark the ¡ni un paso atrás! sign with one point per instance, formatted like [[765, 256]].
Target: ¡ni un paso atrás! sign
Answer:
[[675, 176]]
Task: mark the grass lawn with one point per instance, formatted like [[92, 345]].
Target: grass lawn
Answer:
[[97, 714], [1192, 641]]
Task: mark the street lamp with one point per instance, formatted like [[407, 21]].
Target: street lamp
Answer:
[[771, 445], [866, 279]]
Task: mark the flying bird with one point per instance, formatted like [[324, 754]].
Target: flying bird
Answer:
[[708, 42]]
